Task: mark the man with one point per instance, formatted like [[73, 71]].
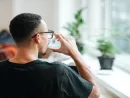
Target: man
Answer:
[[24, 76]]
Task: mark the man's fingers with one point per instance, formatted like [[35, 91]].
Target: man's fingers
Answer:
[[63, 39], [59, 37], [63, 36]]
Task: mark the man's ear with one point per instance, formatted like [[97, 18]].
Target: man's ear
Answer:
[[37, 38]]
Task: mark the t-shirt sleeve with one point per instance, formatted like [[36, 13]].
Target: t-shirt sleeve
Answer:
[[74, 85]]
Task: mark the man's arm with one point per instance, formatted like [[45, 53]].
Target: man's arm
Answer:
[[69, 47], [86, 74]]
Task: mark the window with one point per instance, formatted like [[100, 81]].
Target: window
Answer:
[[115, 23], [121, 24]]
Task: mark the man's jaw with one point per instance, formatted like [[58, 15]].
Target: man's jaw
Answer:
[[41, 54]]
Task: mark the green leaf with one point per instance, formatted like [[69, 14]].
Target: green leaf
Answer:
[[106, 47], [74, 27]]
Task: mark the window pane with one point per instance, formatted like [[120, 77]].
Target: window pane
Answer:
[[121, 24]]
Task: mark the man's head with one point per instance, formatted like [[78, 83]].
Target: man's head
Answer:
[[24, 26]]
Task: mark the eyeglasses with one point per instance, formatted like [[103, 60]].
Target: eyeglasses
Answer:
[[50, 34]]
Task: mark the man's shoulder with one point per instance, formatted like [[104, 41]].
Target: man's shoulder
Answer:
[[53, 67], [57, 65]]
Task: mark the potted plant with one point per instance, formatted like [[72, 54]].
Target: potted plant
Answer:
[[74, 29], [107, 49]]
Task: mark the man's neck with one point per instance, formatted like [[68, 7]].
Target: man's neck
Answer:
[[24, 55]]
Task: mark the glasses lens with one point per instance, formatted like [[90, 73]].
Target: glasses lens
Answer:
[[50, 35]]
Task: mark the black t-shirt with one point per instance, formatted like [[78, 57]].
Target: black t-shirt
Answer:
[[39, 79]]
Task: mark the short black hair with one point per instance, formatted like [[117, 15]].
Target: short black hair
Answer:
[[22, 26]]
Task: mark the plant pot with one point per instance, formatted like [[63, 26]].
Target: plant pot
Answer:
[[106, 62]]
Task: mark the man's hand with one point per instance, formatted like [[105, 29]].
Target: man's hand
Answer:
[[68, 45]]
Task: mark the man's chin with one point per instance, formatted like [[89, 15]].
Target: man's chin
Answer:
[[42, 54]]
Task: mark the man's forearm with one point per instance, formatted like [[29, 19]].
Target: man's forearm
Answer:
[[83, 69], [86, 74]]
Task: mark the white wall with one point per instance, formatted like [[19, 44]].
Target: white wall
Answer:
[[48, 9], [56, 13], [5, 13]]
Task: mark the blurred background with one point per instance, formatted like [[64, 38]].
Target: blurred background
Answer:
[[101, 29]]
